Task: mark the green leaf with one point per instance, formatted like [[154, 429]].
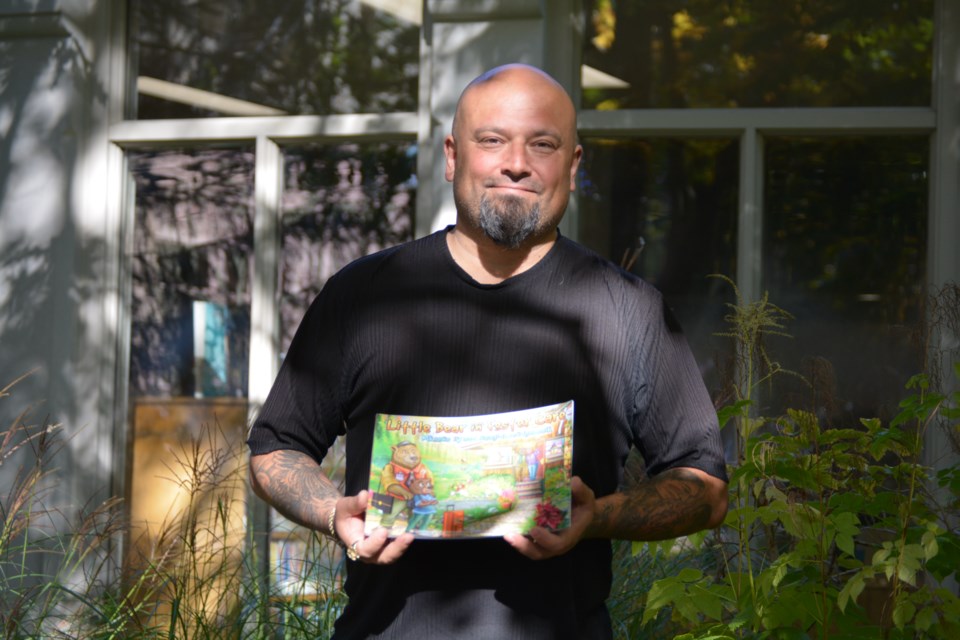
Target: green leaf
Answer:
[[739, 408], [903, 612], [929, 543], [907, 574], [851, 591], [708, 602], [662, 593], [689, 574], [847, 528], [912, 556], [779, 573], [696, 539], [925, 618]]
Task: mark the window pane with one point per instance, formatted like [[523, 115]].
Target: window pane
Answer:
[[676, 201], [339, 203], [192, 261], [189, 340], [702, 53], [197, 59], [845, 252]]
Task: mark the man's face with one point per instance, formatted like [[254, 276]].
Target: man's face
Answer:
[[513, 157]]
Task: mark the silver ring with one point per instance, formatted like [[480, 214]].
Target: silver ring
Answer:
[[352, 553]]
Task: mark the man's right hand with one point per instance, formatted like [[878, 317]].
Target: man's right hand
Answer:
[[377, 548]]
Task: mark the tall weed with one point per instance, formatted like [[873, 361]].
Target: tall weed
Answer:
[[198, 575]]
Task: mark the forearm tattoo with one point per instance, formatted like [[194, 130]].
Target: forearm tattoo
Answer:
[[674, 503], [294, 485]]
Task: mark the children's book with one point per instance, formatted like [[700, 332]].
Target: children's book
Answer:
[[471, 476]]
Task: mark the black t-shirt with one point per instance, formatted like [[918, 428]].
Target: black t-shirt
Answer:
[[407, 331]]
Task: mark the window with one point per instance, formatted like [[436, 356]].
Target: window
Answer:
[[845, 251], [822, 206], [667, 210], [192, 266], [339, 203], [672, 54], [284, 57], [239, 221]]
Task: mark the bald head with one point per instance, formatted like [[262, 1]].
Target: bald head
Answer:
[[520, 77]]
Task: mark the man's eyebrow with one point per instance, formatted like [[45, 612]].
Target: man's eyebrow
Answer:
[[539, 133]]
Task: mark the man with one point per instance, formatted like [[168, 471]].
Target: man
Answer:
[[496, 313]]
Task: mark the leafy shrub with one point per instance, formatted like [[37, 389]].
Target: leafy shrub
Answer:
[[832, 532]]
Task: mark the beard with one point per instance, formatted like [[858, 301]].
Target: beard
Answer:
[[508, 221]]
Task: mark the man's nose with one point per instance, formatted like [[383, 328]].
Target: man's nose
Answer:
[[516, 164]]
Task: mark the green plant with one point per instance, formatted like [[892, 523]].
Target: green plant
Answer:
[[823, 522], [52, 564], [200, 576]]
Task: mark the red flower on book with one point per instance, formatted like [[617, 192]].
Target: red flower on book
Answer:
[[548, 515]]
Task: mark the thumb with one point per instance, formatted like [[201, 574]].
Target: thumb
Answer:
[[355, 505]]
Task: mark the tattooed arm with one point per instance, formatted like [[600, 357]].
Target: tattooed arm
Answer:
[[674, 503], [293, 483]]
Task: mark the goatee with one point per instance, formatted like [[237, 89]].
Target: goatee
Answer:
[[508, 221]]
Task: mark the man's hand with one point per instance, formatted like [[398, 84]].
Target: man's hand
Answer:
[[541, 543], [375, 549], [296, 486]]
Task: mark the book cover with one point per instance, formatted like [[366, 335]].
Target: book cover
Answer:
[[472, 476]]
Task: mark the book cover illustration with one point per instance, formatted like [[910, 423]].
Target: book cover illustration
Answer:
[[471, 476]]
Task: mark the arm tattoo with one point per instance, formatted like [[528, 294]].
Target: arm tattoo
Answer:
[[674, 503], [294, 485]]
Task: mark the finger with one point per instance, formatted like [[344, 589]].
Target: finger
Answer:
[[359, 547], [373, 547], [526, 546], [389, 551], [580, 492], [583, 506], [552, 543]]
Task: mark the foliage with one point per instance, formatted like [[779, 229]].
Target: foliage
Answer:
[[701, 53], [636, 568], [197, 578], [832, 532]]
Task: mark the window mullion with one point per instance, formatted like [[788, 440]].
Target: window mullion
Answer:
[[264, 313]]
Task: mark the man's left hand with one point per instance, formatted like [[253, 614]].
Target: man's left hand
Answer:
[[540, 543]]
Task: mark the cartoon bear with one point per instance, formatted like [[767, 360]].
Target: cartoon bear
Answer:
[[423, 504], [404, 465]]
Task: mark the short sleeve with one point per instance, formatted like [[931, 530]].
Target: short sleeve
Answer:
[[303, 409], [673, 419]]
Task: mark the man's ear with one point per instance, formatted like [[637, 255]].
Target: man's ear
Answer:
[[574, 165], [450, 151]]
